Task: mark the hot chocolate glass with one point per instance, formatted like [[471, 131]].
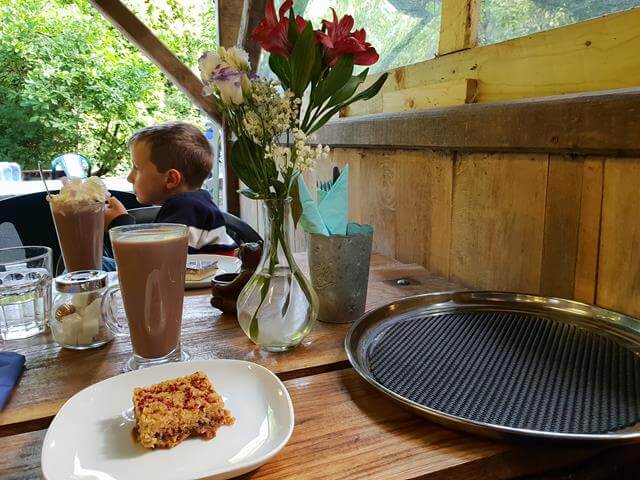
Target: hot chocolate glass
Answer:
[[78, 214], [151, 261]]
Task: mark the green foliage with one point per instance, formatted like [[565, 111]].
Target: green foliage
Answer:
[[69, 81], [506, 19]]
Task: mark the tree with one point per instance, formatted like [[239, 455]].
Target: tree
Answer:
[[69, 81]]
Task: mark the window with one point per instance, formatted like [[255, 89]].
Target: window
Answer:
[[505, 19], [402, 31]]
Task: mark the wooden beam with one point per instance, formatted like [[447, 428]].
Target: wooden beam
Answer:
[[603, 123], [598, 54], [144, 39], [443, 94], [236, 20], [229, 21], [254, 12], [458, 25]]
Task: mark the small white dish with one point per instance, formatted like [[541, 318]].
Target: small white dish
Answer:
[[226, 264], [90, 438]]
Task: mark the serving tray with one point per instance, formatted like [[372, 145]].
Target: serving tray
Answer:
[[506, 365]]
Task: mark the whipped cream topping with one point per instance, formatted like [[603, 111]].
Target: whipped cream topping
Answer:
[[78, 192]]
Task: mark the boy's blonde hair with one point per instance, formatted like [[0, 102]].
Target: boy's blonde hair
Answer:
[[178, 145]]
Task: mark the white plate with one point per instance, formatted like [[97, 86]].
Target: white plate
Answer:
[[90, 437], [225, 265]]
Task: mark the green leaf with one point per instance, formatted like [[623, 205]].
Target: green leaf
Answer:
[[280, 188], [364, 95], [292, 33], [243, 160], [316, 71], [296, 204], [338, 76], [280, 66], [348, 89], [247, 192], [302, 61]]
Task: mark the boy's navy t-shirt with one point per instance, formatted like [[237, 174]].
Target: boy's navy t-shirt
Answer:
[[196, 210]]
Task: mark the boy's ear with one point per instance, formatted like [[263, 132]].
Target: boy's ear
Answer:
[[173, 178]]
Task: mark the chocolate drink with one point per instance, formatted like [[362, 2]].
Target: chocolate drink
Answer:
[[80, 229], [151, 268]]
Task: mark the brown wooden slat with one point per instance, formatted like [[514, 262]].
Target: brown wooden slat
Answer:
[[442, 94], [378, 190], [423, 218], [346, 429], [597, 123], [21, 456], [589, 233], [206, 334], [498, 221], [618, 284], [572, 224], [144, 39], [561, 226]]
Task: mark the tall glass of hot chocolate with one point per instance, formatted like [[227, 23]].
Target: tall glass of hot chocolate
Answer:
[[151, 261], [78, 213]]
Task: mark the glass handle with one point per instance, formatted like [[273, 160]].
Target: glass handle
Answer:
[[108, 308]]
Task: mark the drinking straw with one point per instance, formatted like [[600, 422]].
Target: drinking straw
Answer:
[[43, 180]]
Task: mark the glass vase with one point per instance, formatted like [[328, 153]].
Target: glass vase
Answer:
[[277, 307]]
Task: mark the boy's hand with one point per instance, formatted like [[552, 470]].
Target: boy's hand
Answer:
[[114, 209]]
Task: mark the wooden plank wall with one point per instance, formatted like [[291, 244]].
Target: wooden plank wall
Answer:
[[562, 226]]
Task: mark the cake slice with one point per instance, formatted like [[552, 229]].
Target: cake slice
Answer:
[[168, 412], [200, 269]]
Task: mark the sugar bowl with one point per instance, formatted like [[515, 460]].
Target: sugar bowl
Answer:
[[76, 321]]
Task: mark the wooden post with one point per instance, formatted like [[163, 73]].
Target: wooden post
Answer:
[[144, 39], [236, 20], [459, 25]]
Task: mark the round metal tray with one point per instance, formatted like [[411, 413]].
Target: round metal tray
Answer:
[[506, 365]]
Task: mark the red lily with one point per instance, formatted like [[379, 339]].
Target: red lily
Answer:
[[340, 40], [272, 31]]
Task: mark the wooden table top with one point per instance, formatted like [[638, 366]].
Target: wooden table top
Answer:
[[344, 428]]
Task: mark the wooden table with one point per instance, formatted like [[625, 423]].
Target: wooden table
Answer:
[[344, 428]]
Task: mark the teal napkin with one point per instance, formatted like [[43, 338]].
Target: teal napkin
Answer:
[[310, 220], [330, 214]]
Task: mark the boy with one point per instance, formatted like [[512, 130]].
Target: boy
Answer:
[[170, 163]]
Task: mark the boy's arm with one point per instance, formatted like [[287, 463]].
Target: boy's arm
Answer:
[[115, 215]]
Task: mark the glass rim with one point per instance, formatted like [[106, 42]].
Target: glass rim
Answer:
[[145, 226], [47, 252]]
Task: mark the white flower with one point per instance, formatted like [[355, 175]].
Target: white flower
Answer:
[[236, 57], [222, 78], [300, 156], [269, 113]]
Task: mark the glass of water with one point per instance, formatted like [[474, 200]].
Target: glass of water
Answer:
[[25, 291]]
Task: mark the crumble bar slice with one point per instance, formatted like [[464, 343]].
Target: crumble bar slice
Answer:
[[168, 412]]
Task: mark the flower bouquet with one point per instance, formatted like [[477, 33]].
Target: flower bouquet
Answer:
[[273, 145]]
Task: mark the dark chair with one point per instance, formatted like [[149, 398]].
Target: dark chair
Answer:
[[240, 230], [31, 217], [237, 229]]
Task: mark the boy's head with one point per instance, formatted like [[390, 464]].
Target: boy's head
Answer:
[[167, 159]]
